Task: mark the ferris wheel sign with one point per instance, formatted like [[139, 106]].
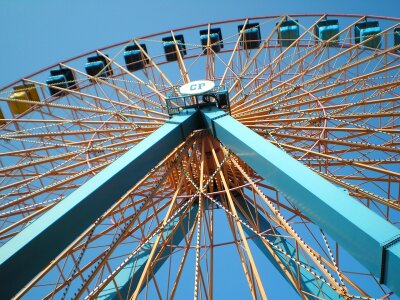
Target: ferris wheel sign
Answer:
[[196, 87]]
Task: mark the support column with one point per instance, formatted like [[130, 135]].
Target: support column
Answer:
[[308, 282], [126, 280], [370, 239], [25, 255]]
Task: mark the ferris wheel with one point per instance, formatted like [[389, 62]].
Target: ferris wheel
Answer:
[[248, 158]]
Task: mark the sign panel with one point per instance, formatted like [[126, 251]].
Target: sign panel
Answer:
[[196, 87]]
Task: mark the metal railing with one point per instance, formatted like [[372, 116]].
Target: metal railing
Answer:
[[218, 97]]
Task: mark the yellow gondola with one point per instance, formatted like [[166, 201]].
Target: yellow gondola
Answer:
[[23, 93]]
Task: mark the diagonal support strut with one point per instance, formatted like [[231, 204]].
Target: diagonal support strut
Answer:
[[128, 277], [352, 225], [34, 247], [373, 241], [307, 281]]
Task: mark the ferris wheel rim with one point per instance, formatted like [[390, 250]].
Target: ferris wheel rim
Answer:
[[191, 27], [298, 135]]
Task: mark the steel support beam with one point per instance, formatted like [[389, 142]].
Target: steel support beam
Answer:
[[366, 236], [125, 281], [308, 282], [25, 255], [370, 239]]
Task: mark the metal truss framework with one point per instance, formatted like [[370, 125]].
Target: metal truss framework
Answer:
[[343, 218]]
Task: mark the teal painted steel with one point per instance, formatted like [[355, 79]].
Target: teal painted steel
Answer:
[[308, 281], [33, 248], [128, 277], [392, 266], [365, 235], [356, 228]]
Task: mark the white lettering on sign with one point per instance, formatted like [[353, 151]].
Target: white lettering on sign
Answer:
[[196, 87]]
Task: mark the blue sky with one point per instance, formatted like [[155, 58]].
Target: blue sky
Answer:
[[36, 34]]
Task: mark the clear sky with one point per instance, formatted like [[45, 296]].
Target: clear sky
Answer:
[[37, 33]]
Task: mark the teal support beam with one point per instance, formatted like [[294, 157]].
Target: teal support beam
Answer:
[[34, 247], [308, 283], [370, 239], [125, 281]]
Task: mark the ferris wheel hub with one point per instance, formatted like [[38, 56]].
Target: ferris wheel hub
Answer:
[[197, 94]]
